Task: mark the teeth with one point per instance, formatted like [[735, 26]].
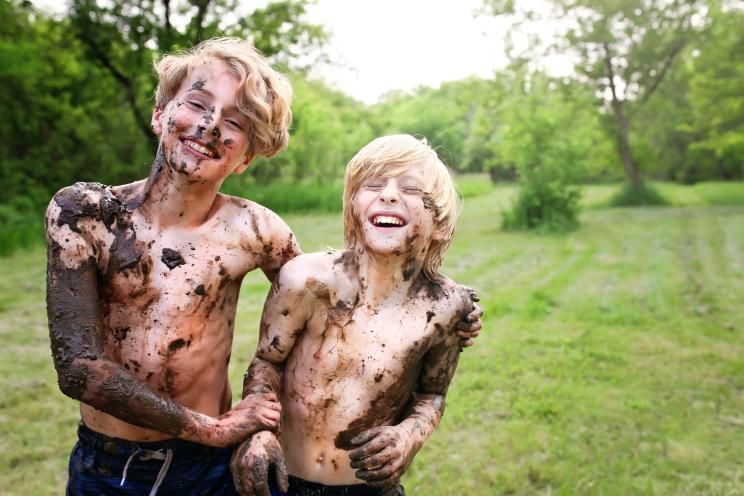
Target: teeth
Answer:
[[201, 149], [386, 219]]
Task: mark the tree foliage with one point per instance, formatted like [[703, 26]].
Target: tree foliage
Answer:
[[625, 48]]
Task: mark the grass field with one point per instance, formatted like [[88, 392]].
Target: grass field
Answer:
[[612, 360]]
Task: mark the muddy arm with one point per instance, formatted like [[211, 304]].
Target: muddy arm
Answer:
[[384, 453], [286, 312], [84, 371], [280, 247]]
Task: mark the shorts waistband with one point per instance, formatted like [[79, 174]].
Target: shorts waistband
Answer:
[[122, 447], [303, 486]]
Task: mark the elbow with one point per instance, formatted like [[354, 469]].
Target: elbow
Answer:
[[72, 378]]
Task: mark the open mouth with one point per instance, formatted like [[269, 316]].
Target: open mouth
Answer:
[[387, 221], [206, 151]]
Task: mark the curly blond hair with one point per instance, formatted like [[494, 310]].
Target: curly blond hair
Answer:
[[390, 156], [264, 95]]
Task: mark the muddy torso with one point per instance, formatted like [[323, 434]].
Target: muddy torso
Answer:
[[168, 298], [352, 368]]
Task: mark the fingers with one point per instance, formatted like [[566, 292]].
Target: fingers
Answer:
[[261, 481], [383, 481], [238, 472], [366, 436], [269, 414], [376, 444], [282, 479], [373, 461]]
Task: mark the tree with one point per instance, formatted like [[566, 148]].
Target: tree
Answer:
[[624, 48], [716, 93], [551, 158], [124, 36]]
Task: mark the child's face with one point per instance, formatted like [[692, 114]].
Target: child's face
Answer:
[[202, 133], [392, 214]]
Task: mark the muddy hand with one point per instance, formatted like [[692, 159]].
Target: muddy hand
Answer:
[[382, 456], [251, 462], [469, 326], [254, 413]]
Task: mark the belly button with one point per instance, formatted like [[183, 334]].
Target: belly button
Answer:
[[320, 459]]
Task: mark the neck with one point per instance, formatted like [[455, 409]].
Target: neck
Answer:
[[170, 198], [389, 275]]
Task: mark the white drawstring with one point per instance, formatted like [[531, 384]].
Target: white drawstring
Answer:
[[151, 455]]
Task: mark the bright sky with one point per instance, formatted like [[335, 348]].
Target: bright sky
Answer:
[[400, 44], [384, 45]]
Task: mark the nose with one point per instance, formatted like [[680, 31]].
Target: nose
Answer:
[[211, 122], [389, 193]]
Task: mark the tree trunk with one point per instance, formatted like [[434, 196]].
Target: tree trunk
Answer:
[[622, 124], [623, 146]]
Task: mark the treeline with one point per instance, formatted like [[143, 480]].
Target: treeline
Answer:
[[657, 94]]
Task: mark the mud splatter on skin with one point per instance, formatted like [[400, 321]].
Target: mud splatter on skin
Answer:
[[429, 204], [198, 85], [389, 404], [177, 344], [348, 261], [423, 286], [200, 290], [209, 116], [228, 142], [84, 371], [171, 258], [262, 377], [410, 265]]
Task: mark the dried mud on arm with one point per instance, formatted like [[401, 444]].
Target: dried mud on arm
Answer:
[[384, 453], [84, 370], [286, 311], [276, 241], [285, 314]]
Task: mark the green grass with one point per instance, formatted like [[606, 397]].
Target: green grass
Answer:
[[610, 363]]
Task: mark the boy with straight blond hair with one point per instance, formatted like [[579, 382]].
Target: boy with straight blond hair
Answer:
[[360, 345]]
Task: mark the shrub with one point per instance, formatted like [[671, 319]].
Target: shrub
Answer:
[[642, 194]]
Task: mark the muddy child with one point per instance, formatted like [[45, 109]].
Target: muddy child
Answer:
[[143, 282], [360, 345]]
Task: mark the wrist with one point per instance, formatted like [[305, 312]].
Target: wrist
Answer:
[[203, 429], [413, 433]]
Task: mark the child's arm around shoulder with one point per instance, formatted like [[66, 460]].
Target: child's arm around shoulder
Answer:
[[384, 453]]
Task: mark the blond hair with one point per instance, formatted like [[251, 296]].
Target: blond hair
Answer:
[[264, 95], [390, 156]]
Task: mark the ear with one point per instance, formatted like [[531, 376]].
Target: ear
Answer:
[[243, 166], [155, 124], [439, 234]]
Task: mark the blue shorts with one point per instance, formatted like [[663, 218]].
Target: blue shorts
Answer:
[[301, 487], [99, 463]]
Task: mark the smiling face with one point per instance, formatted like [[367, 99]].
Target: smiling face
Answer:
[[202, 133], [392, 214]]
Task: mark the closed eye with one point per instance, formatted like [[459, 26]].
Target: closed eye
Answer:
[[196, 105], [235, 124]]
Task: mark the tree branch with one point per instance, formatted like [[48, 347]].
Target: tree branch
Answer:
[[201, 6], [664, 69], [168, 27], [122, 79]]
